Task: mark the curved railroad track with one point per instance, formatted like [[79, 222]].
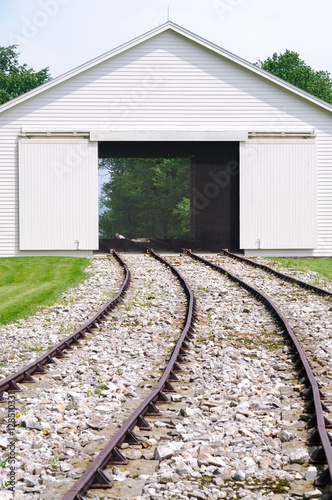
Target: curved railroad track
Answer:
[[308, 311], [278, 274], [318, 424], [94, 477], [37, 367], [132, 314]]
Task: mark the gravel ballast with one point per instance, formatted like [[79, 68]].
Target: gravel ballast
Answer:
[[234, 428]]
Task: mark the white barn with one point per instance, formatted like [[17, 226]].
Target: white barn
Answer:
[[266, 188]]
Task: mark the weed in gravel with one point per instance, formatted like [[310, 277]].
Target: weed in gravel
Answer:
[[4, 483], [238, 487], [269, 341], [130, 323], [67, 329], [255, 484], [37, 349], [100, 387], [55, 460]]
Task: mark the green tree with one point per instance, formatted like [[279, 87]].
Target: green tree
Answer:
[[290, 67], [146, 197], [15, 79]]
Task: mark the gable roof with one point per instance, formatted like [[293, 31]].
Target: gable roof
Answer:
[[146, 36]]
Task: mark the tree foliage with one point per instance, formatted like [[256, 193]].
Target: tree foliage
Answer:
[[290, 67], [146, 198], [15, 79]]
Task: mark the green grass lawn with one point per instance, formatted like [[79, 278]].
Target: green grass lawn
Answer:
[[321, 266], [27, 283]]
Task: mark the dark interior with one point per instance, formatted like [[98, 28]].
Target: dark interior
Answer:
[[214, 220]]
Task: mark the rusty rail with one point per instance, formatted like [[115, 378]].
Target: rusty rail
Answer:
[[278, 274], [321, 437], [94, 477], [25, 375]]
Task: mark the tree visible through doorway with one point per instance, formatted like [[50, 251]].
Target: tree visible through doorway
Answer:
[[146, 197]]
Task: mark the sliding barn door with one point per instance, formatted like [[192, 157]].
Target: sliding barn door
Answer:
[[278, 194], [58, 187]]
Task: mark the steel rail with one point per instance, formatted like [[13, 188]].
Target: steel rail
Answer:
[[25, 375], [94, 477], [322, 455], [278, 274]]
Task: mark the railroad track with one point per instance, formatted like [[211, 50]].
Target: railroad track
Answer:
[[111, 455], [97, 479], [282, 276], [37, 367], [308, 311], [94, 477], [12, 383], [318, 423]]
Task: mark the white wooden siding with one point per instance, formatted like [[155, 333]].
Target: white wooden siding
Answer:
[[58, 186], [167, 83], [278, 194]]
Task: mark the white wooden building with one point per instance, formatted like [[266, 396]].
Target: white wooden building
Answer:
[[167, 86]]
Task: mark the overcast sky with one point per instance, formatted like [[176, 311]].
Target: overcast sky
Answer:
[[63, 34]]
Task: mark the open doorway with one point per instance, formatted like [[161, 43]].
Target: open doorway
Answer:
[[203, 175]]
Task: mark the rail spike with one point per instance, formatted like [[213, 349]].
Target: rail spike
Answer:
[[101, 480], [13, 387], [324, 480]]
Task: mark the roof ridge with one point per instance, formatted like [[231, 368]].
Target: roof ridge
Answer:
[[146, 36]]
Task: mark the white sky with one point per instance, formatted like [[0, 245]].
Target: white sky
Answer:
[[63, 34]]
